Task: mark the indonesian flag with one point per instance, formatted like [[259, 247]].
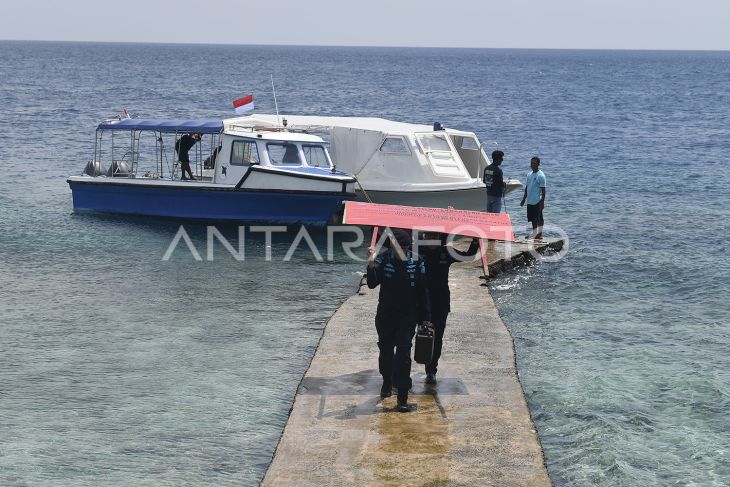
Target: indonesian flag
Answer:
[[243, 105]]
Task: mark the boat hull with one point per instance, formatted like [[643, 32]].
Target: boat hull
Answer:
[[473, 198], [197, 202], [462, 199]]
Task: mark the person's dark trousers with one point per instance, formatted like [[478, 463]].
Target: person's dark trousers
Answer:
[[395, 339], [438, 318], [185, 168]]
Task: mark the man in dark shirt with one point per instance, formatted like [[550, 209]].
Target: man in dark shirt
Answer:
[[183, 146], [494, 180], [438, 260], [402, 304]]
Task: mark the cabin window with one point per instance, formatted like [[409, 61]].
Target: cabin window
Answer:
[[395, 145], [244, 152], [315, 155], [434, 143], [443, 161], [284, 153], [468, 149], [469, 143]]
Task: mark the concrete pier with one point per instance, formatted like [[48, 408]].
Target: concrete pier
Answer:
[[472, 428]]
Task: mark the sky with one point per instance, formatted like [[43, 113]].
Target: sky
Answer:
[[559, 24]]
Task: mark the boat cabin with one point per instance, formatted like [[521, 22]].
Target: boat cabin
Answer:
[[242, 147], [384, 154]]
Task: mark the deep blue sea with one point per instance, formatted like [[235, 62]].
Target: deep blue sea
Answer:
[[117, 368]]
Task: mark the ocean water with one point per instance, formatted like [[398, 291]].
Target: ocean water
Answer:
[[117, 368]]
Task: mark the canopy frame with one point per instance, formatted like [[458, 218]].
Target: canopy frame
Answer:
[[159, 127]]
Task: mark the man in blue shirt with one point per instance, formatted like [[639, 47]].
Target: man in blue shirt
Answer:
[[494, 180], [535, 197]]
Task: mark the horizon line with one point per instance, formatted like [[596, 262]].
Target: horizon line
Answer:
[[628, 49]]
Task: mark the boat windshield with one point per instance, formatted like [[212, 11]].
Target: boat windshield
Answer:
[[438, 151], [316, 156], [283, 153], [434, 143]]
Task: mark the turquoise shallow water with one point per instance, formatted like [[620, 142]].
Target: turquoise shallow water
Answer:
[[117, 368]]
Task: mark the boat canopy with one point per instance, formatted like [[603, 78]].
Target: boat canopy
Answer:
[[306, 122], [382, 150], [169, 126]]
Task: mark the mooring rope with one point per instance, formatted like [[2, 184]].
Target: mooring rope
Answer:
[[367, 197]]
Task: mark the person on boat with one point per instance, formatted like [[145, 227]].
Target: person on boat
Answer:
[[535, 197], [183, 147], [438, 257], [209, 162], [402, 304], [494, 180]]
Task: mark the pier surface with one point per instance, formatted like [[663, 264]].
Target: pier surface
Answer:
[[472, 428]]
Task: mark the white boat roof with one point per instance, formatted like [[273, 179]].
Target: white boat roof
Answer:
[[283, 135], [316, 122]]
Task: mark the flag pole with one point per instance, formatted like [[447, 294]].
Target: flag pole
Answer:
[[276, 105]]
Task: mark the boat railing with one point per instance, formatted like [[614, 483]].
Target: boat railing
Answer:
[[128, 147]]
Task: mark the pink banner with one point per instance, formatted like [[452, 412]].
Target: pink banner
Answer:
[[494, 226]]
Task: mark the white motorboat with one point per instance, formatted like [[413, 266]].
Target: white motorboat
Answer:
[[396, 162]]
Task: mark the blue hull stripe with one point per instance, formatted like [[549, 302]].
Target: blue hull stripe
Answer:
[[208, 204]]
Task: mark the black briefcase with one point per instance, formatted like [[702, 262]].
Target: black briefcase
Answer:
[[424, 345]]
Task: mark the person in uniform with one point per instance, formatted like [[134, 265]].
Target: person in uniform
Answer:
[[438, 259], [493, 179], [402, 304]]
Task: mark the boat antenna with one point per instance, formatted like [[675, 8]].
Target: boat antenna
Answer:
[[276, 105]]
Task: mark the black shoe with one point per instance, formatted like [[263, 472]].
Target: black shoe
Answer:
[[402, 405], [386, 390], [430, 378]]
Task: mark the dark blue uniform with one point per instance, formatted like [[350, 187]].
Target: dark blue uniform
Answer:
[[494, 180], [438, 260], [403, 302]]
